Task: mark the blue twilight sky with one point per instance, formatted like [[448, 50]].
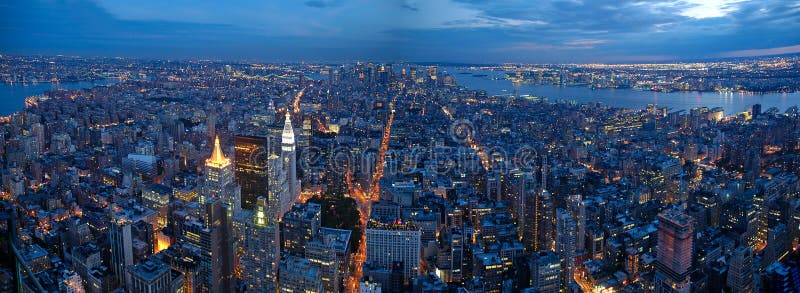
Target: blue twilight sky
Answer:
[[479, 31]]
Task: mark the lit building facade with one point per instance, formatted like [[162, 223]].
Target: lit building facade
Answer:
[[674, 252], [391, 242]]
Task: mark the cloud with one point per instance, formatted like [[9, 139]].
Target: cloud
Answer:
[[581, 44], [762, 52], [436, 30], [710, 8], [410, 5], [323, 3], [585, 42]]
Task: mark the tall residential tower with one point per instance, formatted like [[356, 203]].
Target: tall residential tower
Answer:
[[674, 252]]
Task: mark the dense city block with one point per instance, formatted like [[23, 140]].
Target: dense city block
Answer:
[[212, 176]]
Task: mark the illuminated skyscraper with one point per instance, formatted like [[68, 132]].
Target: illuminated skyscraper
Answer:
[[674, 252], [212, 238], [279, 200], [578, 211], [394, 242], [290, 157], [219, 181], [322, 255], [121, 240], [250, 163], [299, 226], [262, 253], [565, 245]]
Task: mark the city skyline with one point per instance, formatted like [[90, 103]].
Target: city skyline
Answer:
[[406, 31], [439, 146]]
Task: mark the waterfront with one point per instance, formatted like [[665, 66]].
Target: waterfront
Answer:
[[12, 96], [494, 84]]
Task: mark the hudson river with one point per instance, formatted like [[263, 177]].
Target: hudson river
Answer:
[[12, 96], [625, 98]]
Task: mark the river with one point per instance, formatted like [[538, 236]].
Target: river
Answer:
[[731, 103], [12, 96]]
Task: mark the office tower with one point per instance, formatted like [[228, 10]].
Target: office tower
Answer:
[[299, 275], [211, 237], [219, 181], [545, 214], [299, 226], [261, 250], [740, 270], [322, 255], [153, 276], [290, 157], [391, 242], [34, 146], [777, 246], [578, 211], [450, 262], [673, 252], [545, 268], [305, 140], [250, 164], [565, 245], [279, 200], [545, 218], [156, 197], [529, 211], [518, 187], [337, 241], [121, 241]]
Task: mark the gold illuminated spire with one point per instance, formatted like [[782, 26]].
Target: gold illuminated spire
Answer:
[[217, 157]]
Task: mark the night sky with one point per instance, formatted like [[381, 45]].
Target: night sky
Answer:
[[473, 31]]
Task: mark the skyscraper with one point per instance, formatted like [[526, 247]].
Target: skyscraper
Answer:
[[299, 226], [740, 270], [279, 200], [392, 242], [261, 250], [250, 164], [219, 181], [322, 255], [212, 238], [578, 211], [673, 252], [290, 157], [121, 240], [565, 245]]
